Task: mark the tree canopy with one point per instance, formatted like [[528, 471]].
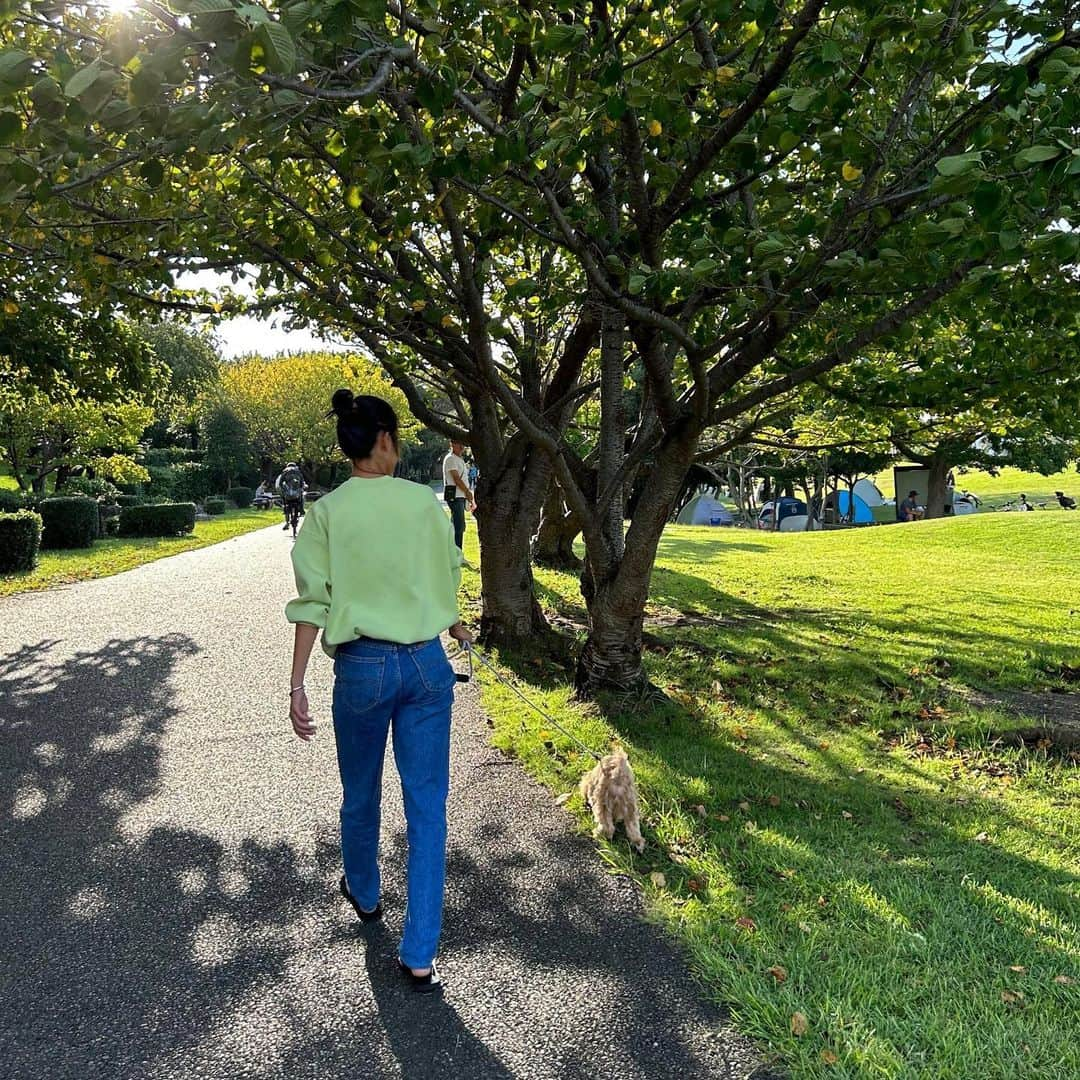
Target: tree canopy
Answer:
[[733, 199]]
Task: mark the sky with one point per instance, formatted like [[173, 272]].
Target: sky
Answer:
[[250, 335]]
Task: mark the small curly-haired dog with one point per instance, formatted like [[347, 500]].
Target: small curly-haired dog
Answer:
[[611, 794]]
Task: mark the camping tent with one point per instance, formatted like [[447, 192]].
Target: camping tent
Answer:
[[705, 510], [863, 514], [868, 491]]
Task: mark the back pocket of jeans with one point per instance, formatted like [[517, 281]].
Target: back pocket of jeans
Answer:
[[434, 668], [359, 681]]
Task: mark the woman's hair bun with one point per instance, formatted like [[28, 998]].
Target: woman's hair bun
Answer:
[[342, 402]]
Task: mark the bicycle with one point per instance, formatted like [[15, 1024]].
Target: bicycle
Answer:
[[293, 509]]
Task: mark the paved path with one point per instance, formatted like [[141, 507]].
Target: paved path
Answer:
[[168, 863]]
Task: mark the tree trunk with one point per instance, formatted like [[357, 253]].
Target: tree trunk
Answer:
[[553, 546], [615, 599], [514, 478], [937, 487]]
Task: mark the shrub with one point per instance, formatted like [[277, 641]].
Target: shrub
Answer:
[[11, 502], [170, 455], [160, 519], [69, 522], [98, 488], [215, 506], [130, 500], [192, 482], [242, 496], [162, 482], [20, 541]]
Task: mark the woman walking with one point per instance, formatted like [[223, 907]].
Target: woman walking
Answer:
[[377, 570]]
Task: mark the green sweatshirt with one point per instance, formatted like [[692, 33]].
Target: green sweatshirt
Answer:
[[376, 558]]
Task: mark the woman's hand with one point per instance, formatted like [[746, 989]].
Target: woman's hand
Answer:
[[302, 724], [460, 632]]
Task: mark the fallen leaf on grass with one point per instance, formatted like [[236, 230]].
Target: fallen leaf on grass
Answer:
[[828, 1057], [723, 817], [1012, 997], [744, 807], [694, 885], [845, 815], [799, 1026], [740, 733], [774, 800], [658, 879], [1064, 980], [699, 810], [744, 922], [823, 745], [982, 838], [778, 972], [805, 927], [821, 901], [563, 799]]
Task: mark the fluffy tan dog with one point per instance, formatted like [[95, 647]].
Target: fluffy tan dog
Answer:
[[611, 794]]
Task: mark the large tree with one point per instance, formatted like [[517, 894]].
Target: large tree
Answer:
[[282, 403], [77, 390], [736, 198]]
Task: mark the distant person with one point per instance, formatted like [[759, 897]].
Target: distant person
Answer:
[[1067, 501], [264, 496], [457, 491], [474, 475], [1023, 504], [910, 509], [290, 486]]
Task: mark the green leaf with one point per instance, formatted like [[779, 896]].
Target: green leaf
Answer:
[[153, 172], [10, 125], [202, 7], [14, 67], [802, 99], [279, 45], [788, 141], [1008, 239], [959, 164], [563, 39], [83, 79], [1034, 154]]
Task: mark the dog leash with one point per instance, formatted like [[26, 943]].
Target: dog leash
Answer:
[[472, 650]]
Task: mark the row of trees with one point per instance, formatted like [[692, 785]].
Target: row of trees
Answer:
[[689, 222], [86, 394]]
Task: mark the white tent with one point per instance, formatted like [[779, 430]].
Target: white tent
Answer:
[[867, 490], [705, 510]]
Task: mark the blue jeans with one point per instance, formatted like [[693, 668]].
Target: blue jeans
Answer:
[[378, 684], [457, 515]]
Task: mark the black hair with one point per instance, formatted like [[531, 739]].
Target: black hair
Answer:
[[359, 421]]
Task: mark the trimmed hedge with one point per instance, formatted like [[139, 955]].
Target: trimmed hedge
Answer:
[[20, 541], [130, 500], [98, 488], [215, 506], [160, 519], [242, 496], [69, 522], [162, 482], [193, 482], [11, 502]]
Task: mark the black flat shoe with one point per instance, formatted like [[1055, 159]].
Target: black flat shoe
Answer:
[[365, 916], [422, 984]]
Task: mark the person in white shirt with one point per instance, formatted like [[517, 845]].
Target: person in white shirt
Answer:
[[455, 477]]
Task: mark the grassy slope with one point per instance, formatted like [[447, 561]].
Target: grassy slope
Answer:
[[109, 557], [904, 884]]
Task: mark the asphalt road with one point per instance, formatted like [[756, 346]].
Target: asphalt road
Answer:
[[169, 863]]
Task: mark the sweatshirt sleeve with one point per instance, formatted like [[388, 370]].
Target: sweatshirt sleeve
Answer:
[[311, 567]]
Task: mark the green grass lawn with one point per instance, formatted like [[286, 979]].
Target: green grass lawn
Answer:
[[109, 557], [839, 837]]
